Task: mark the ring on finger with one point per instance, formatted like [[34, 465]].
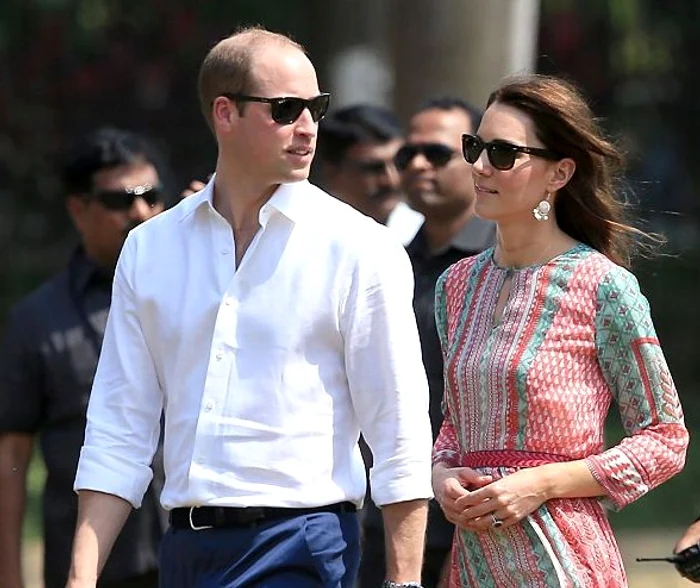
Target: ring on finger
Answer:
[[495, 521]]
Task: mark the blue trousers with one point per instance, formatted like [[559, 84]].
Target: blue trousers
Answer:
[[320, 550]]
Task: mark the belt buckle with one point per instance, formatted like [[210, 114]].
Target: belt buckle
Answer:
[[197, 527]]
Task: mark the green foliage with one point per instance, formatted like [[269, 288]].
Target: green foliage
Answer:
[[35, 487]]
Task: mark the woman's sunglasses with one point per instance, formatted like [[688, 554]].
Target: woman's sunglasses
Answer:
[[288, 109], [437, 154], [124, 199], [501, 154]]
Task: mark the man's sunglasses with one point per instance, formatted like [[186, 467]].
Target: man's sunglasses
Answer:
[[371, 167], [501, 154], [437, 154], [287, 109], [124, 199]]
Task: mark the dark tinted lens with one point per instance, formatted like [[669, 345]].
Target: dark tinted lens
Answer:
[[286, 110], [370, 166], [151, 197], [319, 106], [437, 154], [404, 156], [124, 199], [502, 157], [471, 148]]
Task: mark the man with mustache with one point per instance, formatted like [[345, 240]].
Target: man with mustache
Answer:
[[48, 356], [357, 145]]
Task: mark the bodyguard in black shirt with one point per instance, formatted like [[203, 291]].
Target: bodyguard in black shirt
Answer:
[[439, 185], [48, 356]]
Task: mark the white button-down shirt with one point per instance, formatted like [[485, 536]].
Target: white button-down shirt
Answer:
[[266, 372]]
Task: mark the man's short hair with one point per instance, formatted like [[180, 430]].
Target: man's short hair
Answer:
[[104, 148], [228, 67], [352, 125], [453, 103]]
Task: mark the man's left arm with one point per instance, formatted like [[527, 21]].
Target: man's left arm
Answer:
[[389, 391], [404, 535]]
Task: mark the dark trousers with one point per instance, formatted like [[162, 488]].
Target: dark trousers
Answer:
[[373, 564], [318, 550]]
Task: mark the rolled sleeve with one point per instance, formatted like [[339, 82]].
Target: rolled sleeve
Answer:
[[386, 376], [125, 404], [635, 369]]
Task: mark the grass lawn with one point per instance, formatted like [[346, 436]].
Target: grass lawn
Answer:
[[35, 485]]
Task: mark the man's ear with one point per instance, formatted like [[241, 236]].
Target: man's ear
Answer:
[[224, 113], [561, 172], [76, 208]]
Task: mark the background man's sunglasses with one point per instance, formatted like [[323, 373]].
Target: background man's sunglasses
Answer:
[[437, 154], [287, 109], [372, 167], [501, 154], [124, 199]]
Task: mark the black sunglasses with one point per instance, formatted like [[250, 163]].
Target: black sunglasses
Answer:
[[124, 199], [437, 154], [501, 154], [372, 167], [287, 109]]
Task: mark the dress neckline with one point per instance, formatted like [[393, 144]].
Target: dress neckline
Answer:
[[510, 270]]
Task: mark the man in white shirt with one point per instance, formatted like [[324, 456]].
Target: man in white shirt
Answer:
[[356, 150], [281, 327]]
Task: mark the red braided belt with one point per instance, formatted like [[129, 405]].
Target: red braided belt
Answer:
[[509, 459]]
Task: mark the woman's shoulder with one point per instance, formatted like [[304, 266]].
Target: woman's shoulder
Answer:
[[601, 273], [469, 266]]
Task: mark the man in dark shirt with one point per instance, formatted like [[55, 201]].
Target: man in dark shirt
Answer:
[[356, 149], [438, 184], [48, 355]]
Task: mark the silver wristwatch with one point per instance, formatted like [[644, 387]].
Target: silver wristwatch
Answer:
[[390, 584]]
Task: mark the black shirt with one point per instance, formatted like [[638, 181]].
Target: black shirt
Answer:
[[48, 356]]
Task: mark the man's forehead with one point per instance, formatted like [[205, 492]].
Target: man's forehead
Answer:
[[438, 121], [284, 71], [126, 176]]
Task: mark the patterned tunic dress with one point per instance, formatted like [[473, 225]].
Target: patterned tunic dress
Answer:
[[535, 387]]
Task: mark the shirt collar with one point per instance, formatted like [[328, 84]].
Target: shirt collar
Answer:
[[475, 236], [285, 200]]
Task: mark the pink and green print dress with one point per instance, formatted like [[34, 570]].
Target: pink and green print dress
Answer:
[[535, 387]]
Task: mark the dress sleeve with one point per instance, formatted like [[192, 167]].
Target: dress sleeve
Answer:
[[634, 367], [445, 449]]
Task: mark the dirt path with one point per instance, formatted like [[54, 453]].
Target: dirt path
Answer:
[[641, 575]]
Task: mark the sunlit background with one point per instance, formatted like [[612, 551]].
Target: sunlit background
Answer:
[[67, 66]]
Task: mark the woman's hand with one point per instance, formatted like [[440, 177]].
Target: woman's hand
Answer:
[[502, 503], [690, 537], [451, 484]]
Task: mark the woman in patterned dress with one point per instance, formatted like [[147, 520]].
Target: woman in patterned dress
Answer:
[[540, 335]]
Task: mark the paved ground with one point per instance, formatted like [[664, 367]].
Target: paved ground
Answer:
[[641, 575]]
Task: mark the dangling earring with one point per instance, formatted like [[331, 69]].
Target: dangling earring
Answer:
[[541, 211]]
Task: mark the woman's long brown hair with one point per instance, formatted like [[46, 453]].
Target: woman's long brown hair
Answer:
[[589, 208]]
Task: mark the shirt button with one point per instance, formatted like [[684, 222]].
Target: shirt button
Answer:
[[227, 302], [225, 251], [209, 405], [219, 356]]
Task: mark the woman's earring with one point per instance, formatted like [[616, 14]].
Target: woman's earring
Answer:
[[541, 211]]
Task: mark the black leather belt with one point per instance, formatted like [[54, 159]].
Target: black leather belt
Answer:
[[198, 518]]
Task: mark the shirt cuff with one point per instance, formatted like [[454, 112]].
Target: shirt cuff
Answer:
[[106, 472]]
